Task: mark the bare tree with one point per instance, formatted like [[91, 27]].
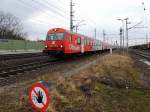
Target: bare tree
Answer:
[[11, 27]]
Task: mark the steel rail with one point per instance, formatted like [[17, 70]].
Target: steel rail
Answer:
[[9, 71], [142, 53], [19, 56]]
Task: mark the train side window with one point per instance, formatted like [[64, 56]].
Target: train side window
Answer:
[[91, 42], [70, 38], [79, 40], [85, 41]]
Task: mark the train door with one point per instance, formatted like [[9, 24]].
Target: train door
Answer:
[[82, 45]]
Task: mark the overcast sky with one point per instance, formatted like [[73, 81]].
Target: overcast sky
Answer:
[[40, 15]]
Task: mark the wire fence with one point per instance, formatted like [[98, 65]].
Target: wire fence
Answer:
[[13, 45]]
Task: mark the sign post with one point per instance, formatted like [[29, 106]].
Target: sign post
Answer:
[[39, 97], [111, 50]]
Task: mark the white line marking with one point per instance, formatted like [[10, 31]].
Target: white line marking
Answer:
[[147, 62]]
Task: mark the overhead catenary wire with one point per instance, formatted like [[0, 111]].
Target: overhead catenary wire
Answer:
[[50, 8], [35, 20], [91, 23], [42, 6], [59, 6], [41, 9], [61, 2], [47, 24]]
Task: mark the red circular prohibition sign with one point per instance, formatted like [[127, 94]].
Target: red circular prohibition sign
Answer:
[[32, 89]]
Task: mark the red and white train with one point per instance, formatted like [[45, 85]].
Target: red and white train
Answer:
[[60, 41]]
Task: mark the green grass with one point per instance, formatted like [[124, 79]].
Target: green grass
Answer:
[[123, 100]]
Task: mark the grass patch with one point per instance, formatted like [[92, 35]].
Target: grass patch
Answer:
[[111, 85]]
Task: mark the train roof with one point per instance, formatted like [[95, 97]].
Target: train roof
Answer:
[[64, 30]]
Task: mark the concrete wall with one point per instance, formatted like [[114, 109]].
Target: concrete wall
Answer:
[[20, 45]]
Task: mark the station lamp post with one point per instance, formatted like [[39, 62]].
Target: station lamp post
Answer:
[[126, 20], [122, 20]]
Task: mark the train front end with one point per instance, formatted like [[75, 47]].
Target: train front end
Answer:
[[54, 44]]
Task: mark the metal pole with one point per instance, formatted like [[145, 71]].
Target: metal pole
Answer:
[[147, 41], [127, 33], [95, 33], [120, 38], [76, 29], [71, 15], [103, 36], [12, 45], [123, 33]]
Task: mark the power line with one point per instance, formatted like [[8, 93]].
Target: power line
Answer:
[[40, 9], [139, 38], [50, 8], [136, 25], [61, 7], [40, 21], [61, 2], [88, 19], [32, 19], [34, 7]]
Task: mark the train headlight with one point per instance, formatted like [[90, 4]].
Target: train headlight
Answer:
[[46, 46], [61, 46]]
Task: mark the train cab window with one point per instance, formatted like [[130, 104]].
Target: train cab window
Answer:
[[55, 36], [78, 40]]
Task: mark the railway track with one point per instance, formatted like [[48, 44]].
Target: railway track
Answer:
[[11, 71], [7, 71], [142, 53], [4, 57], [10, 74]]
